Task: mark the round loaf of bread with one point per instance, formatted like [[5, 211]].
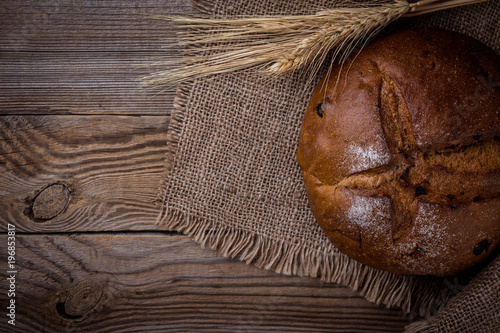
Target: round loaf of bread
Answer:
[[400, 153]]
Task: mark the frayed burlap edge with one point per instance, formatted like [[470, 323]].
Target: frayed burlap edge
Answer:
[[172, 138], [379, 287], [419, 327], [413, 295]]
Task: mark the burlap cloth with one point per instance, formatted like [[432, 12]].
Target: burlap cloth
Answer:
[[232, 181]]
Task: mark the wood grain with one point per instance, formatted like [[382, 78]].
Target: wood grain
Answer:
[[111, 165], [84, 57], [155, 282], [86, 25], [81, 83]]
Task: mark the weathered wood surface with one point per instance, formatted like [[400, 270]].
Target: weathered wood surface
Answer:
[[81, 150], [111, 165], [153, 282], [36, 82], [73, 57]]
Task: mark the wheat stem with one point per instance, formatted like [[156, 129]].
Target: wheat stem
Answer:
[[429, 6], [285, 43]]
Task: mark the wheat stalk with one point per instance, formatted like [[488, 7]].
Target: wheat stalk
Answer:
[[282, 44]]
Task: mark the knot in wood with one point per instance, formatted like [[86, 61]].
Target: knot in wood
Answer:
[[50, 202], [83, 298]]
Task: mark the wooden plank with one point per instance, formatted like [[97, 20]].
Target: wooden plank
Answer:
[[81, 83], [111, 167], [154, 282], [85, 57], [86, 25]]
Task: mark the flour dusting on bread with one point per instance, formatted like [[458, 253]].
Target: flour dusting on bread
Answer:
[[429, 226], [366, 157], [369, 212]]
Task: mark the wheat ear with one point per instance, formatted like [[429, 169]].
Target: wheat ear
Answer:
[[281, 44]]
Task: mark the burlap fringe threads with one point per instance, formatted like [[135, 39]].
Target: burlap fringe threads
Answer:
[[297, 260], [419, 327]]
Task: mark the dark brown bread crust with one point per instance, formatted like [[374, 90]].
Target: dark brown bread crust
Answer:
[[401, 155]]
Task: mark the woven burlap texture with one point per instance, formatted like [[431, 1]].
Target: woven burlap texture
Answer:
[[476, 309], [232, 181]]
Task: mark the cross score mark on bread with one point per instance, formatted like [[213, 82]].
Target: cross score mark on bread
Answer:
[[397, 189]]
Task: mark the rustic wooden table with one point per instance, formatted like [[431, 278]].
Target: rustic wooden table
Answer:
[[81, 156]]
